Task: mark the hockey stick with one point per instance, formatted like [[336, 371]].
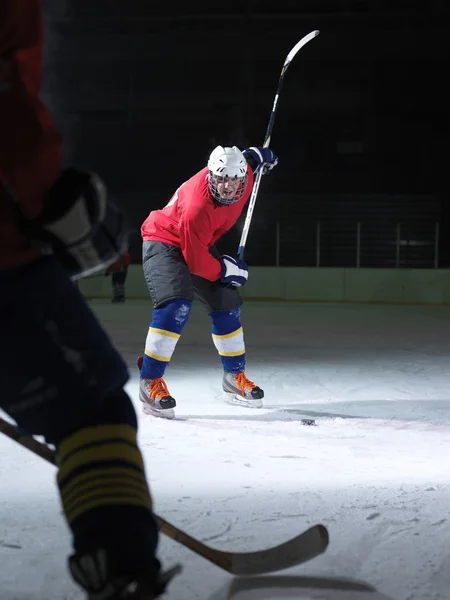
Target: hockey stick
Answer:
[[296, 551], [268, 135]]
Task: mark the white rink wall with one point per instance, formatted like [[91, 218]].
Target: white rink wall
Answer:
[[314, 284]]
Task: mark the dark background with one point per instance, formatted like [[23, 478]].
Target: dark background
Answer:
[[144, 91]]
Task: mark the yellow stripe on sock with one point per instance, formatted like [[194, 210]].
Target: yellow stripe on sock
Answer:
[[164, 332], [101, 466], [79, 479], [106, 452], [117, 500], [158, 356], [78, 487], [107, 491], [227, 335], [238, 353], [83, 503], [90, 435]]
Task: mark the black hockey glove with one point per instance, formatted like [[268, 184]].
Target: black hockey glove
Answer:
[[84, 229]]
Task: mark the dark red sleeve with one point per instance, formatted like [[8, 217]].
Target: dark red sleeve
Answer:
[[126, 259], [30, 145]]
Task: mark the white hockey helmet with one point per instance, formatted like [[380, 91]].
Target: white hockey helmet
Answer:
[[227, 174]]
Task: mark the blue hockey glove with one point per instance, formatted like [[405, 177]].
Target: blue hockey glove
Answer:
[[261, 157], [234, 271]]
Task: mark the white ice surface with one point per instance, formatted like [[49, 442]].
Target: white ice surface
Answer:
[[375, 471]]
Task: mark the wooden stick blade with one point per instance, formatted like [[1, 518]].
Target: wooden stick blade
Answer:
[[296, 551]]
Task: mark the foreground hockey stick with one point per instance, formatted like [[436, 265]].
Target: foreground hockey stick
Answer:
[[296, 551], [251, 204]]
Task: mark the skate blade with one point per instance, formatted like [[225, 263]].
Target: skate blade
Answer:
[[238, 400], [167, 413]]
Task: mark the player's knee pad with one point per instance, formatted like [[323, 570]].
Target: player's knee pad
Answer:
[[172, 316], [225, 321]]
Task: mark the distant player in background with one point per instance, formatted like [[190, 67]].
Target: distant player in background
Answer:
[[180, 262], [118, 271], [60, 376]]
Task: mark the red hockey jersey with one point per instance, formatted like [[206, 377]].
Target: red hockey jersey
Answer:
[[193, 222], [30, 146]]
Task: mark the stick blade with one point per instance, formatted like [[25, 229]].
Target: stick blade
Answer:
[[310, 36], [296, 551]]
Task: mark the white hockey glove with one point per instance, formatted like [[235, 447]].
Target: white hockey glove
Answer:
[[79, 225], [234, 271]]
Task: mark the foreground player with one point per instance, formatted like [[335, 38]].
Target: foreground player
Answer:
[[180, 262], [61, 378]]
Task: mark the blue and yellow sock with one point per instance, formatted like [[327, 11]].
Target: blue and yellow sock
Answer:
[[163, 334], [228, 338]]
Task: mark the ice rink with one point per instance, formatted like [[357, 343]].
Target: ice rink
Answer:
[[375, 470]]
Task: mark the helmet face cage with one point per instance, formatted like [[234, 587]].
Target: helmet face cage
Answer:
[[227, 190], [227, 176]]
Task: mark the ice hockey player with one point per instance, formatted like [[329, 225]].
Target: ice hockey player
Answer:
[[180, 262], [61, 378], [119, 271]]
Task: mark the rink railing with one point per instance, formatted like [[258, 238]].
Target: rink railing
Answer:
[[411, 273], [401, 241]]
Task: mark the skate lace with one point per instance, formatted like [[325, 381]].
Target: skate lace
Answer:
[[158, 389], [244, 383]]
